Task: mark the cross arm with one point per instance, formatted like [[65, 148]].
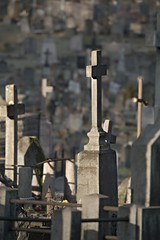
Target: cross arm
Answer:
[[11, 110]]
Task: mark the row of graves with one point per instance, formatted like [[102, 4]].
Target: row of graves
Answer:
[[89, 185], [112, 17]]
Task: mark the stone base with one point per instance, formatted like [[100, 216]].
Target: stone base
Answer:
[[93, 207], [97, 173]]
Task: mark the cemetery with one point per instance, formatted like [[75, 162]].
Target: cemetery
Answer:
[[79, 120]]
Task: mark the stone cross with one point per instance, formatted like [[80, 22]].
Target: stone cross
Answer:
[[45, 89], [96, 70], [107, 126], [10, 112]]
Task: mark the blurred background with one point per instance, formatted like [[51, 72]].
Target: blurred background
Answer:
[[49, 39]]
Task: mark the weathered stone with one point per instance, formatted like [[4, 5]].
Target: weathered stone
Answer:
[[93, 207], [25, 182]]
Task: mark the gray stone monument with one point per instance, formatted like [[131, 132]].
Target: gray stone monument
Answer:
[[97, 165], [145, 151], [10, 112]]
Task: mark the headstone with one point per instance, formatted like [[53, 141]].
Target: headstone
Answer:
[[97, 170], [127, 154], [147, 116], [76, 43], [74, 122], [24, 23], [30, 154], [48, 179], [74, 87], [30, 45], [50, 46], [25, 183]]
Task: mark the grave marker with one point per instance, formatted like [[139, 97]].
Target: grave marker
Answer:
[[97, 165], [96, 71], [10, 112], [45, 89]]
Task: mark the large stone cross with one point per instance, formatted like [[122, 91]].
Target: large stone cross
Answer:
[[96, 70], [10, 112]]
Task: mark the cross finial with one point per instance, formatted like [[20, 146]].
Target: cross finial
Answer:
[[45, 88], [95, 71]]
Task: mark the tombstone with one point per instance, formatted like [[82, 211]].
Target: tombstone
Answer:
[[24, 23], [127, 154], [30, 45], [48, 178], [130, 112], [76, 43], [147, 116], [114, 87], [50, 46], [30, 154], [25, 183], [97, 169], [10, 112], [74, 87], [74, 122]]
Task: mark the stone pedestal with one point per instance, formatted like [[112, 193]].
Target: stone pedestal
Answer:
[[145, 167], [7, 210], [93, 207], [97, 173]]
